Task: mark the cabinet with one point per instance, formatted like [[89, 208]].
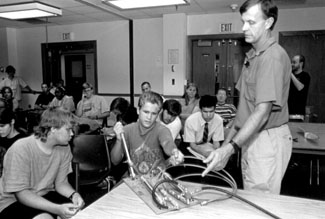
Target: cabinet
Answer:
[[305, 177]]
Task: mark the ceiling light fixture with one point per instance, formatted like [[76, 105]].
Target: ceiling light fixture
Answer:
[[132, 4], [27, 10]]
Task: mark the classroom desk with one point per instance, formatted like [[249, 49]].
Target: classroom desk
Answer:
[[123, 203], [304, 146]]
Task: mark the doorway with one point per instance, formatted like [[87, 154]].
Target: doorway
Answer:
[[310, 44], [74, 62], [217, 62], [75, 74]]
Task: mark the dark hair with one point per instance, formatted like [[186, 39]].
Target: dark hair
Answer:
[[6, 115], [60, 89], [173, 107], [302, 59], [151, 97], [207, 101], [10, 69], [268, 8], [53, 118], [6, 88], [129, 116], [128, 113], [119, 104], [144, 83], [223, 89]]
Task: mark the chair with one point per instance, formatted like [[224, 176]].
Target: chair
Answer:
[[91, 160]]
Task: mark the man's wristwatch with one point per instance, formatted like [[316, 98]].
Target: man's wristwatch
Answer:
[[71, 196], [235, 146]]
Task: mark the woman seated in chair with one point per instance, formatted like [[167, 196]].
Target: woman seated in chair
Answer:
[[7, 98], [8, 132]]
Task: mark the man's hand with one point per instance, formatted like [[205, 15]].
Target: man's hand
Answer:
[[66, 211], [118, 129], [218, 158], [77, 200]]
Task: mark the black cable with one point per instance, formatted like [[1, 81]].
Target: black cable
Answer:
[[242, 199], [227, 178], [238, 197]]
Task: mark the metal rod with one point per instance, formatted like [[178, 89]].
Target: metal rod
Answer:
[[128, 157]]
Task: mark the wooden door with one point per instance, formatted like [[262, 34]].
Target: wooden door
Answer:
[[218, 65], [311, 44]]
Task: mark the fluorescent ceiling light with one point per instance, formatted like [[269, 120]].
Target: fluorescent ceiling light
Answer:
[[28, 10], [130, 4]]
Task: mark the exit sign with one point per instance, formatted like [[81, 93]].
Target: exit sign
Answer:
[[68, 36], [224, 28]]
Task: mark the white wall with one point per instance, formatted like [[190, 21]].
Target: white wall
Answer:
[[148, 59], [288, 20], [112, 53], [113, 45]]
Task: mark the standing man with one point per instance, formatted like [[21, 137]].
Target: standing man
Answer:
[[202, 128], [34, 181], [299, 86], [260, 128], [15, 83]]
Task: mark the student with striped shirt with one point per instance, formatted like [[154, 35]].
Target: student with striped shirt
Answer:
[[225, 110]]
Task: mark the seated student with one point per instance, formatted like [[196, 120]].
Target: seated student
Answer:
[[92, 109], [203, 127], [169, 117], [146, 139], [44, 99], [122, 111], [62, 101], [145, 87], [8, 132], [34, 181], [53, 86], [225, 110], [8, 99], [189, 102]]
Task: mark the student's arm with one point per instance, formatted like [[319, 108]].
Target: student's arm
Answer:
[[100, 115], [79, 108], [297, 83], [117, 152], [65, 189], [167, 143], [205, 149], [29, 89]]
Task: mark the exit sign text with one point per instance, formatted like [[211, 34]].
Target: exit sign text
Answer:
[[226, 27]]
